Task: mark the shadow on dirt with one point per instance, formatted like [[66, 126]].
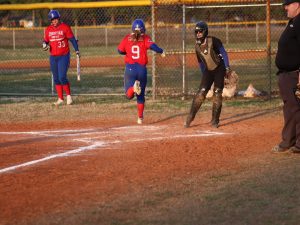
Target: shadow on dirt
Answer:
[[249, 115], [239, 117]]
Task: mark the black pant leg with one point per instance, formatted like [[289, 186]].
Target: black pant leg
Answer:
[[291, 110]]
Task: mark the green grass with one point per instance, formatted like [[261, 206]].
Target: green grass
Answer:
[[18, 109], [37, 53], [110, 80]]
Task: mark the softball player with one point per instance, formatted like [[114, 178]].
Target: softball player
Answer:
[[134, 46], [56, 38], [214, 64]]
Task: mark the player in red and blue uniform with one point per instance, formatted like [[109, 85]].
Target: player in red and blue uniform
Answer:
[[56, 38], [134, 46]]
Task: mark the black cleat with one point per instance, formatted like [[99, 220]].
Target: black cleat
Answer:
[[215, 124], [294, 149], [279, 149]]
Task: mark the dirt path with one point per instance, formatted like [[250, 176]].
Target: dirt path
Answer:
[[48, 168]]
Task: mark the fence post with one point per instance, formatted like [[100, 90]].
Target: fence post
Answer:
[[33, 17], [257, 33], [268, 24], [76, 24], [14, 39], [183, 53], [52, 84], [153, 55], [227, 33], [106, 36]]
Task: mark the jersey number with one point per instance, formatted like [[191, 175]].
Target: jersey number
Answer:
[[135, 50], [61, 44]]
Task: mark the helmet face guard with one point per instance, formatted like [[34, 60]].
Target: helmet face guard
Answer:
[[136, 34], [53, 14], [201, 27]]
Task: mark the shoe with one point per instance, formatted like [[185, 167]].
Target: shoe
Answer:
[[214, 124], [294, 149], [137, 87], [58, 102], [140, 120], [188, 121], [278, 149], [69, 100]]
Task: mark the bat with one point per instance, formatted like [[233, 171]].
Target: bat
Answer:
[[78, 67]]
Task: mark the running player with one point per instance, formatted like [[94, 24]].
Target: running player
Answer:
[[134, 46]]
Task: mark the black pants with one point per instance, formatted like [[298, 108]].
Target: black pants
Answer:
[[291, 109], [215, 76]]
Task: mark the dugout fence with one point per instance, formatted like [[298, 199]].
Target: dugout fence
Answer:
[[248, 29]]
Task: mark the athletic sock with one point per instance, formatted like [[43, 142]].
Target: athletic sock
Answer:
[[140, 107], [67, 88], [59, 90]]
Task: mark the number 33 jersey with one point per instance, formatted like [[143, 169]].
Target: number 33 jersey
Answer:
[[58, 37], [136, 50]]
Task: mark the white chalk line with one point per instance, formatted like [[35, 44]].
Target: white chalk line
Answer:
[[98, 144], [64, 154]]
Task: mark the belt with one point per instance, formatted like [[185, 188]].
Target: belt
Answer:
[[284, 71]]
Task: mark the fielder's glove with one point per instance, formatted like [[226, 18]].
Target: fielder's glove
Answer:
[[297, 92], [46, 47], [78, 53], [231, 79]]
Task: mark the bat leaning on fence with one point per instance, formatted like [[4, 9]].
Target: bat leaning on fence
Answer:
[[78, 67]]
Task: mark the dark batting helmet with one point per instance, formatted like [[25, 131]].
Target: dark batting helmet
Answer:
[[53, 14], [202, 28]]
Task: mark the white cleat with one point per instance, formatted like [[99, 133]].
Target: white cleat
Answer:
[[58, 102], [69, 100], [140, 120], [137, 87]]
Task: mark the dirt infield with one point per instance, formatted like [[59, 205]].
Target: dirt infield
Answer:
[[108, 61], [56, 173]]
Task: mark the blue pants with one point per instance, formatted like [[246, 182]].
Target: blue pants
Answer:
[[59, 68], [135, 72]]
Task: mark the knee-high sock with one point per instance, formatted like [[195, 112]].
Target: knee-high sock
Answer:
[[59, 90], [140, 107], [67, 88]]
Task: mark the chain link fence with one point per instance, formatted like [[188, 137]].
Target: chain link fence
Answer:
[[243, 29], [241, 25]]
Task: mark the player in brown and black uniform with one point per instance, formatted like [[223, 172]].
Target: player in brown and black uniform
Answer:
[[214, 64], [288, 64]]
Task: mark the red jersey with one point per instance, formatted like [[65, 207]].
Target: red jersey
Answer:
[[58, 39], [136, 51]]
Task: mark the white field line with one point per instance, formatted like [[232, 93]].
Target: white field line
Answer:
[[92, 144], [64, 154], [51, 133]]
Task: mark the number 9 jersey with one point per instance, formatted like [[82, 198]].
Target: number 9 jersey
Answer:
[[135, 50], [58, 37]]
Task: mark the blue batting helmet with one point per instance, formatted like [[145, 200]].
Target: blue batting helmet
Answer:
[[53, 14], [139, 25]]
